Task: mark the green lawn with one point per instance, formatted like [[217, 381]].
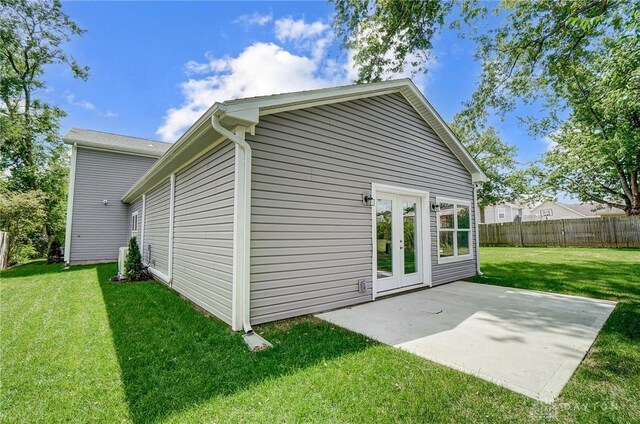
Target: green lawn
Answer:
[[75, 347]]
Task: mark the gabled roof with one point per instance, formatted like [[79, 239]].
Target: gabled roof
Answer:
[[304, 99], [247, 112], [592, 209], [585, 209], [115, 142]]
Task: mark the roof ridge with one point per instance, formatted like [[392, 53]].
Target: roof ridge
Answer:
[[337, 88], [120, 135]]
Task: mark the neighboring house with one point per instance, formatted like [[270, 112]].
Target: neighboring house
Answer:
[[555, 210], [505, 212], [277, 206], [103, 167]]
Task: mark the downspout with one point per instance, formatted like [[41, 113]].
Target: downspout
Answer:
[[477, 227], [244, 218]]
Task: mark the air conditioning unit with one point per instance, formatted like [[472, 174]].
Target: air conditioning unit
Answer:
[[122, 256]]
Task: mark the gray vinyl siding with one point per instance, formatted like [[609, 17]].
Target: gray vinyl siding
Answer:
[[156, 228], [203, 231], [97, 231], [311, 235]]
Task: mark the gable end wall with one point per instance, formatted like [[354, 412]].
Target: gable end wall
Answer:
[[98, 230], [311, 235]]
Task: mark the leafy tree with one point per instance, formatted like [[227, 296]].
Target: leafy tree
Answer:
[[579, 58], [32, 155], [506, 182], [597, 149], [582, 59], [21, 215], [133, 267]]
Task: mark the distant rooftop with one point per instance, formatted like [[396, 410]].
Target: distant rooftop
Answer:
[[592, 209], [116, 142]]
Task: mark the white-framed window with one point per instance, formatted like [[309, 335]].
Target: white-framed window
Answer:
[[454, 230], [502, 213], [546, 212], [134, 224]]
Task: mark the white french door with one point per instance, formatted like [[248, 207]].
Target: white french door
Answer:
[[399, 240]]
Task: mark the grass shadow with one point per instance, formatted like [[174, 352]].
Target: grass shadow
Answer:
[[172, 356]]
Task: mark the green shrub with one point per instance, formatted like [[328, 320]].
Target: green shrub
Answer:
[[22, 215], [133, 267]]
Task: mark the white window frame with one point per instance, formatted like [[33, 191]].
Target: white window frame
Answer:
[[502, 213], [136, 231], [455, 257]]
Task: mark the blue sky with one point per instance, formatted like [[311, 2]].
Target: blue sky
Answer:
[[155, 66]]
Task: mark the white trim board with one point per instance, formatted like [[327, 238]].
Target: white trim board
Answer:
[[70, 198], [141, 238], [172, 201]]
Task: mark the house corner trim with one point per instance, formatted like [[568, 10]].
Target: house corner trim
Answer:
[[70, 197]]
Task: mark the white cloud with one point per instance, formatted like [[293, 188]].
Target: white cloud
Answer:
[[262, 68], [288, 29], [300, 62], [84, 104], [87, 105], [254, 18]]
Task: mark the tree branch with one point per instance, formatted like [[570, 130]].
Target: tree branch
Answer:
[[624, 181]]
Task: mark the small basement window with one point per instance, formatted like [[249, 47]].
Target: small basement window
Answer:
[[134, 224], [454, 230]]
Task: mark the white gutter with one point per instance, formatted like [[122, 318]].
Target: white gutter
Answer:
[[477, 219], [70, 195], [241, 307]]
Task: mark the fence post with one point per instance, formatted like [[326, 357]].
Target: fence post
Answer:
[[4, 249]]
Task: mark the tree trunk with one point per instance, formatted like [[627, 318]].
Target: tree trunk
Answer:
[[635, 191]]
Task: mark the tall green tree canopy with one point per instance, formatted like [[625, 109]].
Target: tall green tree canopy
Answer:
[[579, 57], [506, 181], [32, 155]]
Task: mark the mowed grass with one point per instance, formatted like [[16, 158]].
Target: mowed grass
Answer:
[[606, 386], [75, 347]]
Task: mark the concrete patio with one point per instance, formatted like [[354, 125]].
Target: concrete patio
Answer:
[[530, 342]]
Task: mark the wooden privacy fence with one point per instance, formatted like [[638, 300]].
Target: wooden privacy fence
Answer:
[[586, 232]]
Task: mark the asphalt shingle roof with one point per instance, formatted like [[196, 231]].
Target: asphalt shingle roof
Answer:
[[115, 142]]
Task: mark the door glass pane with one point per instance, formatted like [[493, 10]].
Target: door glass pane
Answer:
[[446, 243], [384, 237], [409, 241], [446, 215], [464, 220], [463, 242]]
